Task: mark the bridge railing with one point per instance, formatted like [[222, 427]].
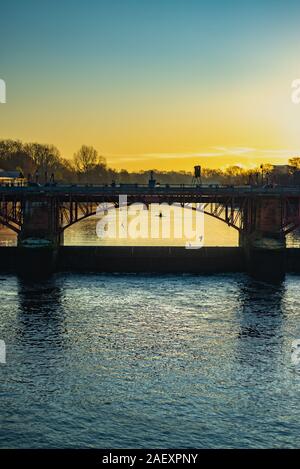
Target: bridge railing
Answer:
[[148, 189]]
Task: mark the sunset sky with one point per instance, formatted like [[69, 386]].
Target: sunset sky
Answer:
[[154, 84]]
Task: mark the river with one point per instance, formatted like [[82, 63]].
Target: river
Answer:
[[149, 361], [143, 361]]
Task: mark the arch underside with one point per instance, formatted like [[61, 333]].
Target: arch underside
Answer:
[[233, 218], [10, 222], [11, 215], [9, 225], [291, 226]]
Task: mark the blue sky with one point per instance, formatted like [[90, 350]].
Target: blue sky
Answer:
[[108, 71]]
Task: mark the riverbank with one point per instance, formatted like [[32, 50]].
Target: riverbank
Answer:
[[134, 259], [207, 260]]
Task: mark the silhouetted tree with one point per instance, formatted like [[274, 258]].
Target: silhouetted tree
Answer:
[[88, 166], [87, 158], [295, 162], [46, 158], [13, 155]]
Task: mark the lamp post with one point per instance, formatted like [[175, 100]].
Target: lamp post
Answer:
[[262, 173]]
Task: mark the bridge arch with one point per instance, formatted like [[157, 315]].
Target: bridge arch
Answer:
[[9, 225], [209, 209]]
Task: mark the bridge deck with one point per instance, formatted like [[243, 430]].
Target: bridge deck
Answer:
[[95, 191]]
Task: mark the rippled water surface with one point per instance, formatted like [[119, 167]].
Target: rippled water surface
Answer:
[[149, 361]]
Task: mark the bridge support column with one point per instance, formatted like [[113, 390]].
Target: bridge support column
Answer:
[[40, 238], [263, 240]]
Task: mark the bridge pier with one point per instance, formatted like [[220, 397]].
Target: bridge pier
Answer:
[[40, 238], [263, 240]]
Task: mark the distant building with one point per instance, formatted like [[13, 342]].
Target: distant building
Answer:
[[11, 177]]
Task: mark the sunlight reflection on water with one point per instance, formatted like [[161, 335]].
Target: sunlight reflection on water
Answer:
[[149, 361]]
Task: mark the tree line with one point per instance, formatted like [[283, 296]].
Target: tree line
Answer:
[[88, 166]]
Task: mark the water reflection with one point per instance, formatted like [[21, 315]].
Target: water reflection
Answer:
[[40, 311], [267, 298], [216, 233], [162, 361], [260, 317]]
